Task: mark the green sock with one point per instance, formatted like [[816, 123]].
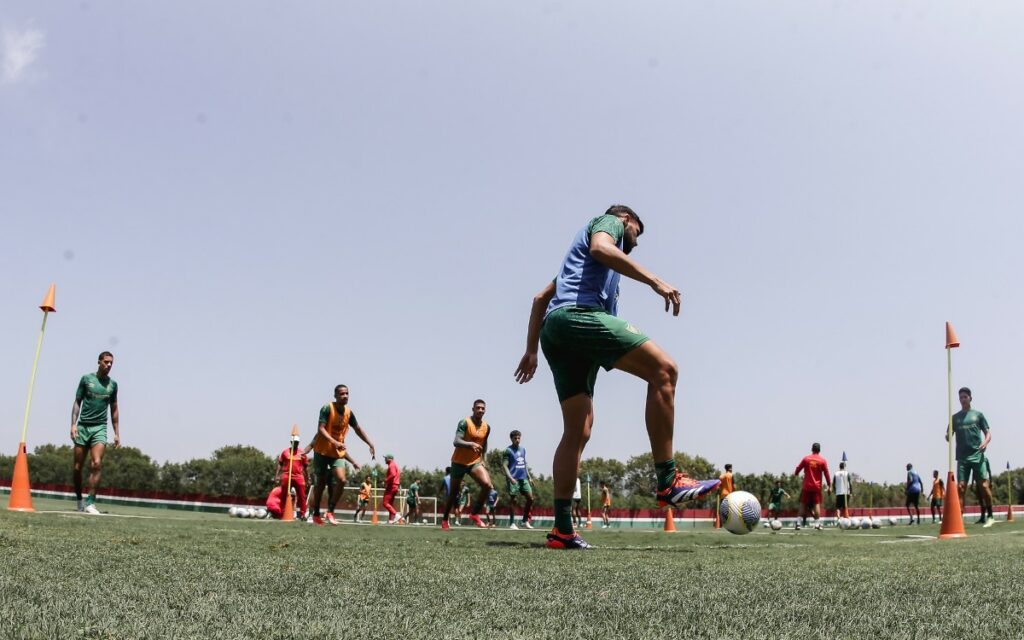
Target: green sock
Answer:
[[90, 499], [666, 472], [563, 516]]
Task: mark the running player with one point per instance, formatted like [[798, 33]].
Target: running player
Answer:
[[775, 500], [330, 452], [815, 470], [491, 508], [913, 489], [294, 464], [470, 447], [364, 499], [574, 317], [513, 463], [96, 393], [606, 505], [972, 438], [935, 496]]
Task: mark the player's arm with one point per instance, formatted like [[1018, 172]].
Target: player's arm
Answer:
[[115, 420], [828, 479], [505, 468], [988, 435], [322, 429], [75, 410], [604, 249], [460, 431], [528, 363]]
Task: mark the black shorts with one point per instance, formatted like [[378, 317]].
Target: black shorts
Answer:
[[841, 501], [913, 499]]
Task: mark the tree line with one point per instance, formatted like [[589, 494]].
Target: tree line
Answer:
[[246, 472]]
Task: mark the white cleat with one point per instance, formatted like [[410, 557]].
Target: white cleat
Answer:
[[527, 525], [91, 510], [513, 527]]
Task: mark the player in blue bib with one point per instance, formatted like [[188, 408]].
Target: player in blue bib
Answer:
[[913, 489], [513, 463]]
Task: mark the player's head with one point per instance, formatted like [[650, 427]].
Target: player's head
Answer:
[[728, 467], [603, 484], [842, 465], [816, 448], [778, 483], [341, 393], [515, 437], [935, 473], [104, 362], [634, 227], [909, 466], [479, 409], [965, 398], [388, 456]]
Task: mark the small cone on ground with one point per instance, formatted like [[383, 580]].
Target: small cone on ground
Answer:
[[590, 522], [951, 340], [49, 302], [21, 494], [952, 519], [670, 521], [373, 518]]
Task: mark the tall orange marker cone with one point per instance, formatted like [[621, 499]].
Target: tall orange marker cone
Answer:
[[952, 519], [288, 513], [21, 492], [670, 521]]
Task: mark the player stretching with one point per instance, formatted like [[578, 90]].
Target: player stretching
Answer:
[[96, 392], [364, 499], [470, 446], [972, 439], [815, 470], [330, 453], [513, 463], [574, 319], [935, 496]]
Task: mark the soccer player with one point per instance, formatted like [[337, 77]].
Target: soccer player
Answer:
[[775, 500], [935, 496], [574, 319], [330, 452], [913, 490], [577, 497], [844, 491], [364, 499], [815, 470], [412, 503], [725, 488], [96, 393], [294, 463], [972, 439], [392, 483], [513, 463], [490, 509], [470, 447], [606, 505]]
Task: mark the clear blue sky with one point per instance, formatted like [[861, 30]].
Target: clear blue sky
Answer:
[[249, 203]]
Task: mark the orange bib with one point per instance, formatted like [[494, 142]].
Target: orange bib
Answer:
[[475, 434], [337, 426]]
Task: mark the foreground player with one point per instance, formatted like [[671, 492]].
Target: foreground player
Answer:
[[972, 438], [513, 463], [815, 470], [330, 452], [574, 319], [96, 393], [470, 446]]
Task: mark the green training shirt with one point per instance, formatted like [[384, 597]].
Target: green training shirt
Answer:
[[777, 494], [96, 396], [970, 428]]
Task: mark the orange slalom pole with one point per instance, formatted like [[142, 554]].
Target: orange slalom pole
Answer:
[[952, 520]]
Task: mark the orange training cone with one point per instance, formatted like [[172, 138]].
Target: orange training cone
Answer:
[[590, 521], [288, 513], [952, 519], [951, 340], [49, 301], [670, 521], [21, 496]]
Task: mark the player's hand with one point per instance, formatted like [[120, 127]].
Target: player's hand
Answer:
[[117, 441], [74, 432], [373, 453], [671, 295], [527, 367], [476, 448]]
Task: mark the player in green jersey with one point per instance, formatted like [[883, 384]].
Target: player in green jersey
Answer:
[[972, 439], [96, 393]]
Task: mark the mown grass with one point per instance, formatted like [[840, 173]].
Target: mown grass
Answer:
[[207, 576]]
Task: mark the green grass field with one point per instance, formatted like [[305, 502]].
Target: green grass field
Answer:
[[165, 574]]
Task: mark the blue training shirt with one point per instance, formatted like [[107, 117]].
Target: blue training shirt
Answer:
[[583, 281], [516, 459], [914, 481], [492, 498]]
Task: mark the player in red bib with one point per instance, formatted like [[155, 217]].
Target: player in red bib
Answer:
[[815, 470], [294, 463]]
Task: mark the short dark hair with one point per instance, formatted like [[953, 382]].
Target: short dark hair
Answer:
[[621, 209], [965, 390], [515, 432], [340, 386], [909, 466], [104, 355], [447, 470], [842, 465], [479, 401], [728, 467], [816, 448]]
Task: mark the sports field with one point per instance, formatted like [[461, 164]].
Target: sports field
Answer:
[[161, 574]]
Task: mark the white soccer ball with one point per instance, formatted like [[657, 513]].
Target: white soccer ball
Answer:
[[844, 523], [855, 523], [261, 513], [766, 524], [893, 521], [876, 523], [817, 525], [740, 512], [776, 525], [250, 512], [233, 512], [865, 523]]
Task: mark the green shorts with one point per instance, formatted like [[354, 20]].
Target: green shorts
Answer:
[[773, 506], [88, 436], [324, 465], [411, 502], [578, 340], [520, 486], [460, 470], [972, 468]]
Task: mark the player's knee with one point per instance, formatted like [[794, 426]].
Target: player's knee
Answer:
[[667, 375], [95, 465]]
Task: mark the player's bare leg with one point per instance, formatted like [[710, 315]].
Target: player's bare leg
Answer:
[[649, 363], [484, 480], [95, 466]]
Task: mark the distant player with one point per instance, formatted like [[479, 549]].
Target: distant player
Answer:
[[913, 489], [844, 491], [293, 464], [577, 497], [97, 392], [412, 503], [392, 483], [364, 499], [775, 500], [935, 496], [460, 503], [726, 487], [606, 505], [815, 469], [491, 508], [513, 463], [330, 452], [470, 447], [574, 318], [972, 439]]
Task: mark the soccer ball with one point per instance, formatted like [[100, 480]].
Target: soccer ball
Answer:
[[844, 523], [893, 521], [776, 525], [740, 512], [876, 523], [233, 512], [817, 525], [865, 523], [766, 524], [855, 523], [261, 513]]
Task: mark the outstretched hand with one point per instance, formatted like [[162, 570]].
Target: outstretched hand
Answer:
[[527, 367], [671, 295]]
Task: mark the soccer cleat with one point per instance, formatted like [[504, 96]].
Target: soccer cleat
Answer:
[[526, 524], [989, 522], [91, 510], [477, 521], [981, 520], [444, 525], [558, 540], [513, 527], [684, 488], [317, 520], [329, 519]]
